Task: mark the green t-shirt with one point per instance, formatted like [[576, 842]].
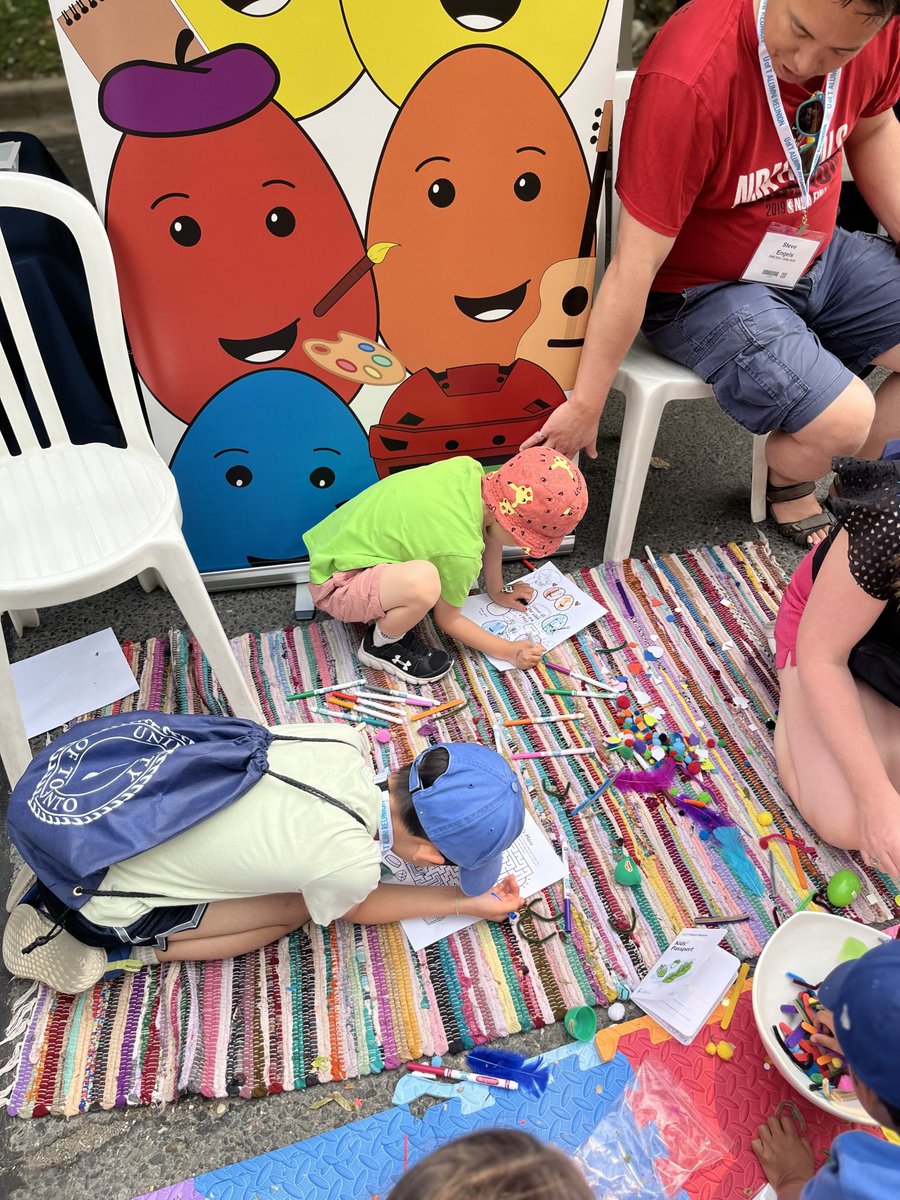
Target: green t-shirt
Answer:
[[432, 513]]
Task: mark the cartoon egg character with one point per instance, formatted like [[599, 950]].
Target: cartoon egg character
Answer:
[[398, 41], [480, 206], [306, 39], [227, 228], [266, 459]]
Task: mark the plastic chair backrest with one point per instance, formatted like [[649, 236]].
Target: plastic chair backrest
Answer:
[[621, 92], [47, 196]]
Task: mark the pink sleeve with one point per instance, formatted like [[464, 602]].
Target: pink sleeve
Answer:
[[670, 145]]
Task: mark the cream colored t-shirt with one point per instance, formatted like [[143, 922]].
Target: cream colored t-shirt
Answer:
[[273, 839]]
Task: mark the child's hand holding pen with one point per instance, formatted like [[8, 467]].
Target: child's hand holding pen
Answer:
[[515, 595], [527, 653]]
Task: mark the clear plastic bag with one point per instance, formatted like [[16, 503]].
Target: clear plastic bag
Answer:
[[650, 1142]]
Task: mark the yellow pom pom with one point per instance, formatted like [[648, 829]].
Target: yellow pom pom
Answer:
[[725, 1051], [711, 1048]]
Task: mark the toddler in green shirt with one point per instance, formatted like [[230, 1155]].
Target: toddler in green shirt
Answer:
[[417, 540]]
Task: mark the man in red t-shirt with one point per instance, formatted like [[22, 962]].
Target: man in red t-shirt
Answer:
[[727, 255]]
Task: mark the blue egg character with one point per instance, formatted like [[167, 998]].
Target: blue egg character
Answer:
[[265, 459]]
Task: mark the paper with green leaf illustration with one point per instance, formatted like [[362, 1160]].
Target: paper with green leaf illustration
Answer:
[[684, 987]]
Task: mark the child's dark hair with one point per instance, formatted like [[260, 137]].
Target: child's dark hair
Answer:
[[493, 1164], [433, 765]]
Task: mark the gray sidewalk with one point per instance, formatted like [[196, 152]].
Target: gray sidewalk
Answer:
[[700, 496]]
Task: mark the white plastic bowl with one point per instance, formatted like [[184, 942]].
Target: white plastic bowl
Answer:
[[809, 944]]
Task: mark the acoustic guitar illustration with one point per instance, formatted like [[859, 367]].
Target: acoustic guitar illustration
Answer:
[[555, 339]]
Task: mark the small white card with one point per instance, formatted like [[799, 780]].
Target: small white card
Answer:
[[9, 156], [557, 611], [530, 858], [71, 680], [782, 256], [683, 989]]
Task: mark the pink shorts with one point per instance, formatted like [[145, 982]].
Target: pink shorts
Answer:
[[351, 595], [793, 602]]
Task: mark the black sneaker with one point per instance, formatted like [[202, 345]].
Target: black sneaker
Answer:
[[407, 658]]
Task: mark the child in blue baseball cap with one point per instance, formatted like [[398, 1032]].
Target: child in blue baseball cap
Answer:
[[304, 840], [861, 1022]]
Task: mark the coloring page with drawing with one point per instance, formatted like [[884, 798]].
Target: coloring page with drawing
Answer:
[[557, 611], [530, 858]]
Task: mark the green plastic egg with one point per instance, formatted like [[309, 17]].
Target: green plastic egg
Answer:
[[843, 888]]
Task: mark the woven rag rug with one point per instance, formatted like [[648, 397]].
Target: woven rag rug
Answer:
[[333, 1003]]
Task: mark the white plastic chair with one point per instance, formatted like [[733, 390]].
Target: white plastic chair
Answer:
[[649, 381], [76, 520]]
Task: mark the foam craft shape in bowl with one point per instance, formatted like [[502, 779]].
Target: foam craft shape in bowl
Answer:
[[809, 944]]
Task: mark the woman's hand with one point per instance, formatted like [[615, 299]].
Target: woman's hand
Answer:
[[879, 832], [497, 904]]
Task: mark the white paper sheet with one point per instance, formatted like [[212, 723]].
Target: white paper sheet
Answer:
[[70, 680], [530, 858], [685, 986], [557, 612]]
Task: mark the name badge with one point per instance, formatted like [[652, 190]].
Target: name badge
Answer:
[[782, 256]]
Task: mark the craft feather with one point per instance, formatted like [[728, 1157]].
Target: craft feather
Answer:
[[704, 818], [659, 779], [728, 842], [531, 1076]]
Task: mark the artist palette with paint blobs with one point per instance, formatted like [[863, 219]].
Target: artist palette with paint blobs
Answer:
[[353, 356]]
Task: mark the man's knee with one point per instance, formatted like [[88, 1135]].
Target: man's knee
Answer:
[[844, 425]]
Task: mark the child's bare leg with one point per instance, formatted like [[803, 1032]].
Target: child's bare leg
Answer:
[[231, 927], [407, 592], [808, 770]]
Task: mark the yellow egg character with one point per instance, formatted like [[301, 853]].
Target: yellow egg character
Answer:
[[306, 39], [398, 41]]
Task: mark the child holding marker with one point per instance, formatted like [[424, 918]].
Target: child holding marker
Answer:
[[417, 540], [861, 1022]]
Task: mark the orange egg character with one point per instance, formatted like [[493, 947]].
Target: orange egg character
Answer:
[[483, 184]]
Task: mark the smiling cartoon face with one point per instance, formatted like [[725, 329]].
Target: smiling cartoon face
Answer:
[[398, 41], [267, 458], [224, 241], [483, 185], [306, 39]]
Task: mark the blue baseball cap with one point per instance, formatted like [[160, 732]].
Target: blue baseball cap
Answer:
[[472, 812], [864, 996]]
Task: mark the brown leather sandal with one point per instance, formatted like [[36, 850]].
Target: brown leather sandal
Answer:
[[799, 532]]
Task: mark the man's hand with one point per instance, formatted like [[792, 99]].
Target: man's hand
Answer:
[[785, 1157], [568, 429], [498, 903], [517, 596]]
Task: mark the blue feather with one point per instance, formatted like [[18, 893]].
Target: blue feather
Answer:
[[531, 1075], [728, 843]]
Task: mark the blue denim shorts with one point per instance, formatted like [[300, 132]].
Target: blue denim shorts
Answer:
[[776, 359]]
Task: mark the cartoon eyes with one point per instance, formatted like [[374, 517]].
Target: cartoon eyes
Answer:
[[527, 186], [442, 193], [239, 477], [322, 477], [185, 231], [281, 222]]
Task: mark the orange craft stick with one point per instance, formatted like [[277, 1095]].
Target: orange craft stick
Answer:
[[430, 712], [801, 878]]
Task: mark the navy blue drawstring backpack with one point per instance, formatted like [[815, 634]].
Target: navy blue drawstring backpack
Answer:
[[110, 788]]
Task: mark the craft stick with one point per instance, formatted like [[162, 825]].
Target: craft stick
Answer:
[[554, 753], [356, 718], [802, 881], [545, 720], [734, 995], [438, 708], [320, 691]]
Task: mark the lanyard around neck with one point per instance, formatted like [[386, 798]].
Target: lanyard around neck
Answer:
[[782, 125]]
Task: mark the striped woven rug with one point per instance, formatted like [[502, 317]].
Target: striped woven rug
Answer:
[[331, 1004]]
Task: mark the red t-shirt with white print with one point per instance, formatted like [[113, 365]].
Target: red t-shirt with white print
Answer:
[[701, 160]]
